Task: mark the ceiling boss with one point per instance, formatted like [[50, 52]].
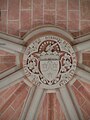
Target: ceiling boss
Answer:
[[49, 62]]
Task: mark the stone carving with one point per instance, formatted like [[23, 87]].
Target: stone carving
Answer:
[[49, 61]]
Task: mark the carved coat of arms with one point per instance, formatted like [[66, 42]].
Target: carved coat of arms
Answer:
[[48, 62]]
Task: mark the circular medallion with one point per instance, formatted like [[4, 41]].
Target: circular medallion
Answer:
[[49, 62]]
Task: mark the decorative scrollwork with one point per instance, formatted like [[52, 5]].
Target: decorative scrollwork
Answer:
[[49, 61]]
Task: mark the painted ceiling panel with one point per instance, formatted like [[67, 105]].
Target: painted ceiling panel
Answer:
[[82, 93], [12, 100], [7, 61], [28, 14], [86, 58], [51, 108]]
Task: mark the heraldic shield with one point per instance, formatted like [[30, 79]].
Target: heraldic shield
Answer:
[[49, 68]]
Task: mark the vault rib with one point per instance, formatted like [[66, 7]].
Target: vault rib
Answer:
[[8, 72], [11, 79], [11, 46], [11, 38], [83, 74], [75, 102], [27, 103], [4, 49], [32, 112], [81, 39], [40, 105], [48, 28], [84, 67], [67, 103], [81, 46]]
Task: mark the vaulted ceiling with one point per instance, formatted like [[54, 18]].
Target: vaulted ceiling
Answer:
[[20, 99]]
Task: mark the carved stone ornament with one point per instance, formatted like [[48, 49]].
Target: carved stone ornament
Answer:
[[49, 62]]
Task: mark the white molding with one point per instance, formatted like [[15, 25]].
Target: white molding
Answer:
[[62, 104], [12, 46], [12, 84], [40, 105], [83, 73], [27, 104], [11, 38], [73, 80], [75, 103], [82, 66], [10, 79], [47, 28], [70, 110], [27, 82], [80, 57], [82, 79], [8, 72], [17, 59], [7, 50], [50, 91], [81, 39], [86, 51], [81, 46], [34, 104]]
